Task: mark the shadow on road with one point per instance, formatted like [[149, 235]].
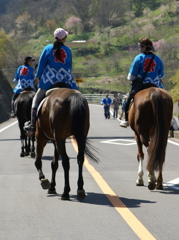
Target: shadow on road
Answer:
[[111, 137]]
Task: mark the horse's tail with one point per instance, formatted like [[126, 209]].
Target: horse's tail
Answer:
[[158, 140], [80, 124]]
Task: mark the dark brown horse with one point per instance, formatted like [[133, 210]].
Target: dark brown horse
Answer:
[[64, 113], [150, 117], [23, 112]]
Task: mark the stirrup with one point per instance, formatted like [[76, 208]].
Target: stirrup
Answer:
[[29, 127]]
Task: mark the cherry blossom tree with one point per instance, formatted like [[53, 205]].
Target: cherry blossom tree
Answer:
[[73, 24]]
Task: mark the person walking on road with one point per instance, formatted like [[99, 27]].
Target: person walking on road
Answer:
[[123, 106], [106, 102], [115, 103]]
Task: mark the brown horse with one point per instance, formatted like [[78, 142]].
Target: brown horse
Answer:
[[64, 113], [22, 107], [150, 117]]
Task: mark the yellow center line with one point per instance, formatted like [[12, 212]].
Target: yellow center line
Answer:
[[121, 208]]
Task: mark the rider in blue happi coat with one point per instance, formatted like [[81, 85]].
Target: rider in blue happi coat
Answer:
[[55, 65], [147, 67], [24, 78]]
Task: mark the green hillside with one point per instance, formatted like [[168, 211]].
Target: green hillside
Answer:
[[109, 43]]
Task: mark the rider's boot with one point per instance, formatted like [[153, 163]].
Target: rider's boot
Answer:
[[125, 122], [13, 115], [128, 102], [30, 126]]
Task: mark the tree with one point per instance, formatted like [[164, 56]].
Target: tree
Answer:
[[139, 6], [4, 46], [175, 90], [107, 14], [51, 25], [73, 24], [83, 10], [8, 56], [24, 25]]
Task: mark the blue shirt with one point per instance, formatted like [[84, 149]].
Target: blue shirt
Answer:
[[106, 102], [155, 72], [52, 70], [24, 78]]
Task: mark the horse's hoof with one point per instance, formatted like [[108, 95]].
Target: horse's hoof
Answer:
[[65, 197], [81, 194], [27, 154], [32, 155], [139, 183], [151, 186], [45, 183], [52, 191], [159, 187], [22, 155]]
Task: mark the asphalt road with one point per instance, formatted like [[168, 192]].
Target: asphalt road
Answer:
[[114, 207]]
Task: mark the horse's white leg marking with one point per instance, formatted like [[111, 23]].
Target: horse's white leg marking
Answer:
[[140, 181]]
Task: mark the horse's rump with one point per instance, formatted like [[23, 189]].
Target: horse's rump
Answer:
[[64, 113], [150, 118], [23, 104]]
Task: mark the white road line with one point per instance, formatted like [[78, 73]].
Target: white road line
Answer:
[[120, 142], [173, 184], [172, 142], [131, 142], [1, 130]]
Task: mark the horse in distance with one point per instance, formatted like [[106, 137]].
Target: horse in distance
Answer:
[[23, 112]]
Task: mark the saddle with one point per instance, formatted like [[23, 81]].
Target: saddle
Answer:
[[50, 91], [55, 87], [144, 86], [28, 89]]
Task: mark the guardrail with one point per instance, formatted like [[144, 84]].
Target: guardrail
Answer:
[[96, 98]]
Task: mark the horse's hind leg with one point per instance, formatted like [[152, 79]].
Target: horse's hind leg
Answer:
[[140, 181], [60, 144], [27, 146], [140, 158], [80, 191], [23, 138], [80, 159], [22, 154], [159, 182], [41, 142], [32, 150], [151, 180], [54, 166]]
